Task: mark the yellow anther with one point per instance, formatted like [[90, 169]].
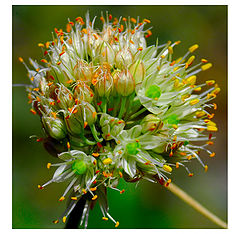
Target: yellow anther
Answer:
[[94, 197], [74, 198], [120, 174], [95, 154], [61, 198], [94, 114], [104, 218], [190, 174], [210, 82], [178, 60], [162, 56], [49, 165], [32, 78], [206, 168], [212, 128], [189, 157], [177, 42], [170, 50], [211, 123], [68, 145], [56, 221], [175, 126], [198, 89], [177, 165], [85, 124], [84, 191], [44, 61], [190, 60], [133, 20], [47, 44], [204, 60], [176, 83], [206, 66], [40, 44], [191, 80], [183, 153], [107, 161], [147, 21], [200, 114], [193, 48], [117, 224], [212, 154], [20, 59], [93, 189], [214, 106], [193, 102], [167, 168], [216, 91], [64, 219], [175, 68]]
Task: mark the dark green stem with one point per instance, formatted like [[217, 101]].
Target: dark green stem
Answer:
[[137, 114], [122, 109], [95, 133], [104, 105]]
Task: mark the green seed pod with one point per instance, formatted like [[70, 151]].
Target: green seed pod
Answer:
[[83, 71], [55, 127], [80, 167], [123, 58], [153, 92], [125, 84], [151, 123]]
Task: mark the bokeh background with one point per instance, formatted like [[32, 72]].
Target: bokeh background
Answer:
[[147, 205]]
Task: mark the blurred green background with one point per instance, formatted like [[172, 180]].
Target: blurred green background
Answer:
[[147, 205]]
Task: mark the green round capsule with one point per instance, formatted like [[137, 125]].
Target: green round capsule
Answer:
[[153, 92], [132, 148], [173, 119], [80, 167]]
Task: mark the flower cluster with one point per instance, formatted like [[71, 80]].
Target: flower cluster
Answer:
[[112, 107]]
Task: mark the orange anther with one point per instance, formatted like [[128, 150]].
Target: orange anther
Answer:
[[68, 145], [33, 111]]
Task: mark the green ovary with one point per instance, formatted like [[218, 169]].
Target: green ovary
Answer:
[[132, 148], [153, 92], [80, 167], [173, 119]]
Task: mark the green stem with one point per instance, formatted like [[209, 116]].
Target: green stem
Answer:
[[122, 109], [94, 132], [104, 105], [115, 109], [196, 205], [137, 114], [85, 140]]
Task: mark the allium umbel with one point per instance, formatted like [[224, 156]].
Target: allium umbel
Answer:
[[113, 108]]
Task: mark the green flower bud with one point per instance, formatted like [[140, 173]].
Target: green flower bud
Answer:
[[74, 123], [125, 84], [89, 113], [64, 97], [138, 72], [151, 123], [123, 58], [55, 127], [83, 71]]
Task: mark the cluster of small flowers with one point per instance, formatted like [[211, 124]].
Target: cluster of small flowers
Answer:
[[113, 107]]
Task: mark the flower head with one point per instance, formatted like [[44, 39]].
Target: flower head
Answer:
[[113, 107]]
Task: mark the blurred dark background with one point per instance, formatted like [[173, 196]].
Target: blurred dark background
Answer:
[[148, 205]]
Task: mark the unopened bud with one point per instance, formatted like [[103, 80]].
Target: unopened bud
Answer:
[[106, 53], [125, 84], [150, 123], [74, 123], [65, 97], [89, 113], [54, 127], [123, 58], [83, 92], [138, 72], [83, 71]]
